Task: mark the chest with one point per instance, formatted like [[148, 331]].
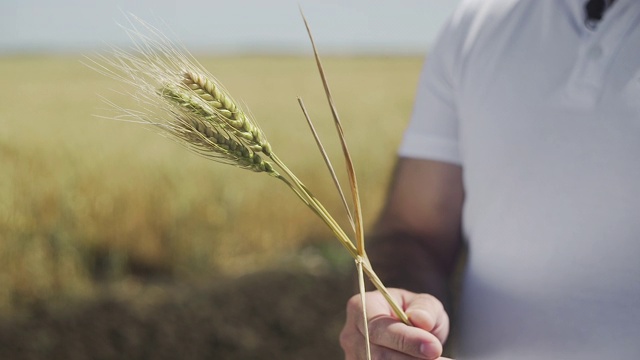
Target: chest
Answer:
[[546, 85]]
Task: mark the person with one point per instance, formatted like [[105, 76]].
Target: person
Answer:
[[522, 156]]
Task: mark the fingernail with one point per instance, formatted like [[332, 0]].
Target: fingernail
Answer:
[[427, 350]]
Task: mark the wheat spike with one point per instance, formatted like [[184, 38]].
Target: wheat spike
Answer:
[[200, 129], [227, 110]]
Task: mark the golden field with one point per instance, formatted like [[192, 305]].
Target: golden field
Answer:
[[86, 200]]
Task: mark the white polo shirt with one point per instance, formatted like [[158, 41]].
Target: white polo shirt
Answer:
[[544, 116]]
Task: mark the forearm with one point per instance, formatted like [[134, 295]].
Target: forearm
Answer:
[[405, 261], [417, 240]]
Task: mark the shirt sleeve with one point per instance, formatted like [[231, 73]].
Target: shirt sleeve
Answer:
[[432, 132]]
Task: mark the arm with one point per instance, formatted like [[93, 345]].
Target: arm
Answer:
[[417, 240], [414, 246]]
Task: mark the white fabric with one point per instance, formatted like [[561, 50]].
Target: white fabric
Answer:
[[544, 117]]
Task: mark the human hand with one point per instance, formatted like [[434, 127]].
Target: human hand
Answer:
[[391, 338]]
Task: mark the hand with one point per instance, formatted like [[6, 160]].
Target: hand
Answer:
[[390, 338]]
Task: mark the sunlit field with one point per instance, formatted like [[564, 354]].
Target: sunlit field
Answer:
[[86, 200]]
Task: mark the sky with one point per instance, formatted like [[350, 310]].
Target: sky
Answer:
[[230, 26]]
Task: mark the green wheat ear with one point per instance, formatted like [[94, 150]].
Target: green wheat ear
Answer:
[[205, 130], [229, 113]]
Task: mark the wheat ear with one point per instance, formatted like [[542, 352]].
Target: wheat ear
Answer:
[[181, 99]]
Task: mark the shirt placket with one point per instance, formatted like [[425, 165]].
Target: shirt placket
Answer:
[[597, 50]]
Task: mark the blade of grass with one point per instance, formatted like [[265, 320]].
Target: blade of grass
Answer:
[[327, 161], [349, 163], [366, 265]]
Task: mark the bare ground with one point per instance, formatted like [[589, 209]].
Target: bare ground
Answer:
[[277, 314]]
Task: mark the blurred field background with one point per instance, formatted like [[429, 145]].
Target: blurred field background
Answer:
[[106, 220]]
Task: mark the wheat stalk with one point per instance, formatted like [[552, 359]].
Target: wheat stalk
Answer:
[[187, 104]]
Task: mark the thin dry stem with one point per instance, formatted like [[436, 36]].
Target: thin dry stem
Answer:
[[360, 245], [363, 302], [349, 162], [327, 162]]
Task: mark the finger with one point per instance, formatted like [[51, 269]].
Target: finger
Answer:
[[388, 332], [427, 312], [357, 351], [380, 352], [376, 305], [352, 343]]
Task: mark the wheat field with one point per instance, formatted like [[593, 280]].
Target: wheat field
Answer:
[[85, 199]]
